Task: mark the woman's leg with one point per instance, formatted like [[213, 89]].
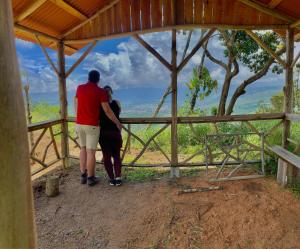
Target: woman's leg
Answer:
[[106, 152], [116, 155]]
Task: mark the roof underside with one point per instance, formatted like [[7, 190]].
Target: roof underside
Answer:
[[78, 22]]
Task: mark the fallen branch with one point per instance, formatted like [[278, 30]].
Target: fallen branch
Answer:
[[201, 189]]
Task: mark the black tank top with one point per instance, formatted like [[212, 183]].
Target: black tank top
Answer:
[[105, 122]]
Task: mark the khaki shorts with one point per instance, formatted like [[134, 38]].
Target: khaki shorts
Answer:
[[88, 136]]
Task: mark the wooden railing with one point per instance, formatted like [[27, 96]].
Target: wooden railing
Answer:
[[206, 154], [46, 150], [44, 140]]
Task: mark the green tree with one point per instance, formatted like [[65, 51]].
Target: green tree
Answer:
[[200, 86], [241, 48]]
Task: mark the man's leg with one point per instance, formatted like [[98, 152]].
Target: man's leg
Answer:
[[83, 160], [91, 146], [91, 162], [82, 156]]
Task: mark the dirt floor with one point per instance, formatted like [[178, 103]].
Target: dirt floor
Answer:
[[246, 214]]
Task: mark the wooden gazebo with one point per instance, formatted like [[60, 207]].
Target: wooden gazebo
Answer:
[[69, 25]]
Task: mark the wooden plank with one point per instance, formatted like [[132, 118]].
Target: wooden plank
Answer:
[[145, 14], [156, 14], [167, 6], [292, 117], [135, 15], [265, 47], [236, 178], [286, 155], [179, 11], [70, 9], [188, 12], [17, 215], [104, 9], [118, 23], [43, 124], [125, 15], [32, 7], [198, 12], [280, 171]]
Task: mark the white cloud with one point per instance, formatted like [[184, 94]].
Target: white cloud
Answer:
[[24, 44]]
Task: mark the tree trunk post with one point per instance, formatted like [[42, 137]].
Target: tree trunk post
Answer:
[[63, 103], [288, 95], [16, 205], [174, 153]]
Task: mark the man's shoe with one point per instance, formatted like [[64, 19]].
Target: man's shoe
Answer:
[[83, 178], [112, 182], [118, 182], [92, 180]]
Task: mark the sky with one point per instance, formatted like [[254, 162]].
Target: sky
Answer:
[[125, 64]]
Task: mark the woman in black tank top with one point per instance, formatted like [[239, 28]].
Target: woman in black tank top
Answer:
[[111, 141]]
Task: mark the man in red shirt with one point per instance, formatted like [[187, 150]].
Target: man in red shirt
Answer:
[[89, 97]]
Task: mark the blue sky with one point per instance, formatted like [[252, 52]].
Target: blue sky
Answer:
[[125, 64]]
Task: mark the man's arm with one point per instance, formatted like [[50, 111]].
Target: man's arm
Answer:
[[75, 105], [109, 113]]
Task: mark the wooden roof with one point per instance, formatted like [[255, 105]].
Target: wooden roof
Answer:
[[78, 22]]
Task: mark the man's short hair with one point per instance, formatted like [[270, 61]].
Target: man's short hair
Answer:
[[94, 76]]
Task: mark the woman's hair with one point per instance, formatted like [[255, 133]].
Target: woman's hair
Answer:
[[107, 87], [94, 76]]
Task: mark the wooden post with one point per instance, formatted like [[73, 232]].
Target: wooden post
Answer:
[[174, 155], [63, 103], [16, 205], [288, 94]]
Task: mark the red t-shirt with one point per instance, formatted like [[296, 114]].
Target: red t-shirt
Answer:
[[89, 97]]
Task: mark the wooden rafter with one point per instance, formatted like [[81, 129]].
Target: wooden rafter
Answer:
[[35, 32], [70, 9], [108, 6], [264, 8], [274, 3], [196, 48], [47, 56], [296, 59], [29, 10], [81, 58], [153, 51], [295, 24], [265, 47]]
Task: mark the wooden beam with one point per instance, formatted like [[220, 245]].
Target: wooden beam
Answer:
[[196, 48], [178, 27], [63, 103], [29, 10], [108, 6], [295, 24], [296, 59], [35, 32], [47, 56], [272, 12], [70, 9], [16, 216], [81, 58], [265, 47], [174, 138], [274, 3], [288, 89], [153, 51]]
